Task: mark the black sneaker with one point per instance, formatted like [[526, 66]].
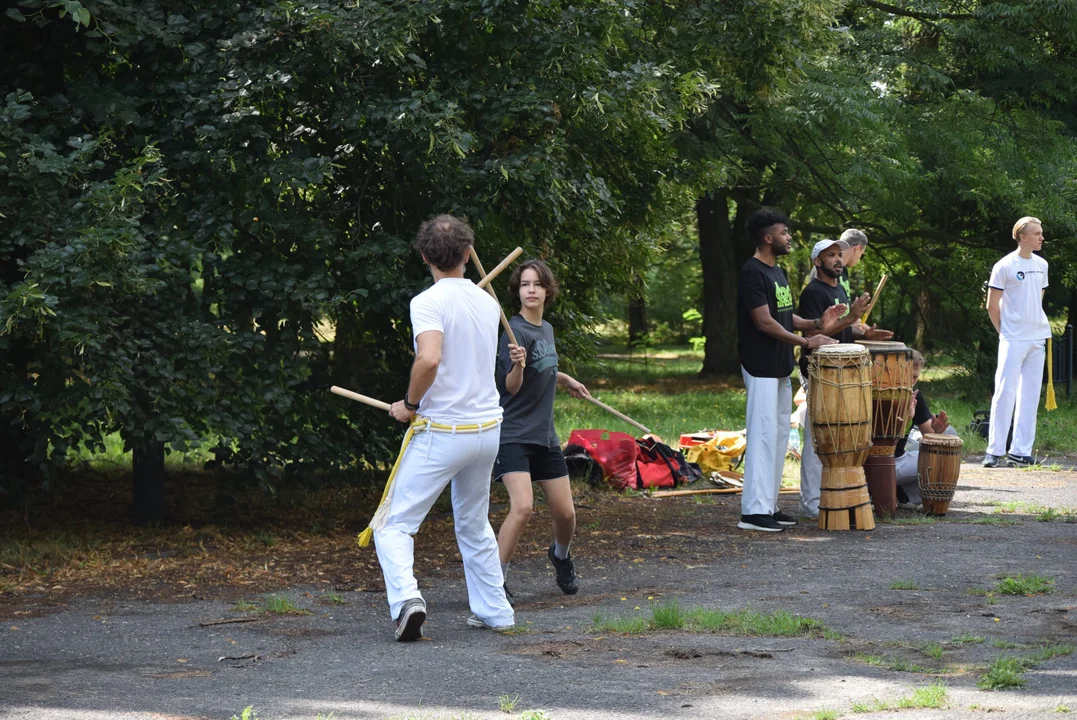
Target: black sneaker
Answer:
[[1020, 460], [409, 625], [990, 461], [783, 519], [566, 573], [766, 523], [509, 596]]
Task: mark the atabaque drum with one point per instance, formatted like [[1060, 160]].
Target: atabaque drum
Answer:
[[839, 413], [891, 395], [938, 468]]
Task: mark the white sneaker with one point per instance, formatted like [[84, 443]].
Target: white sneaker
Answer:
[[476, 622]]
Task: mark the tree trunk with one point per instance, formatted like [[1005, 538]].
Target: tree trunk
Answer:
[[723, 249], [637, 320], [1071, 319], [148, 482]]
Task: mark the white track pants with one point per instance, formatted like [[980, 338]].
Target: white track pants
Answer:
[[1017, 383], [433, 460], [770, 401], [811, 469], [906, 466]]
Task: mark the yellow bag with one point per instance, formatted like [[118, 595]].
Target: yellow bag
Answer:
[[721, 452]]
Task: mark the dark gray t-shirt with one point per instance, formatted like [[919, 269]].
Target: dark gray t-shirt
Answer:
[[529, 413]]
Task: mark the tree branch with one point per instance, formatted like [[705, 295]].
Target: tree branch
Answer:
[[915, 14]]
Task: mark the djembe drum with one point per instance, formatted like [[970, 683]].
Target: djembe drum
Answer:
[[839, 411], [891, 395], [937, 469]]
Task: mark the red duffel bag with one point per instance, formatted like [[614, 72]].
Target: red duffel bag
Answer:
[[615, 452]]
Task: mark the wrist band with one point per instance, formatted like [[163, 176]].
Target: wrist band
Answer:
[[408, 405]]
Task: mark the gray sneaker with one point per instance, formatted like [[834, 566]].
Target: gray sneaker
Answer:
[[476, 622], [990, 461], [409, 625]]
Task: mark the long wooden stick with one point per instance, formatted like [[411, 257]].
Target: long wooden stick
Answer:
[[361, 398], [874, 298], [500, 266], [621, 415], [490, 289], [712, 491]]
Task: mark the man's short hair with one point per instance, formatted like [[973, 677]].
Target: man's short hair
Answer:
[[854, 237], [445, 242], [546, 279], [1020, 225], [762, 220], [917, 359]]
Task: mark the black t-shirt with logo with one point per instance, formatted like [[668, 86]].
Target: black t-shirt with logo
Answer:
[[760, 284], [529, 413], [814, 301]]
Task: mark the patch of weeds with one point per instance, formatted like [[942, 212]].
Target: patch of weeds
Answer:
[[1062, 709], [507, 703], [977, 591], [891, 663], [1048, 652], [247, 714], [335, 598], [932, 650], [1006, 645], [282, 605], [632, 625], [670, 616], [1028, 585], [966, 639], [929, 696], [1008, 671], [1063, 515], [266, 538], [914, 520], [1019, 506], [826, 714], [904, 585], [592, 525], [245, 606], [534, 715], [330, 716]]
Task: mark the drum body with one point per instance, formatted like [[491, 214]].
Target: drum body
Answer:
[[839, 411], [839, 404], [891, 395], [937, 469]]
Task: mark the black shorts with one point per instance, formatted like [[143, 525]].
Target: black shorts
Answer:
[[543, 463]]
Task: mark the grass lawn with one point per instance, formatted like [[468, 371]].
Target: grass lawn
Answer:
[[660, 389]]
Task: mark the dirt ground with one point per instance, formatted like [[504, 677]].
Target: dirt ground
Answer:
[[134, 650]]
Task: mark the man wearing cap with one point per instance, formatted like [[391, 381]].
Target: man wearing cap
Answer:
[[1015, 304], [825, 291]]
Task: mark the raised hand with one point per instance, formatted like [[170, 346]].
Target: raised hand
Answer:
[[874, 333], [860, 305], [940, 422], [832, 318], [517, 354]]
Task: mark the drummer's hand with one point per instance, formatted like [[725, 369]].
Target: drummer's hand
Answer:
[[860, 305], [832, 318], [517, 354], [912, 404], [940, 422], [874, 333], [818, 340]]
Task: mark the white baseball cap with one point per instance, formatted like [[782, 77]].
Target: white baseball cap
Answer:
[[824, 244]]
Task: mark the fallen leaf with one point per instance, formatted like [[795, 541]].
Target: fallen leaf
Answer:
[[183, 660]]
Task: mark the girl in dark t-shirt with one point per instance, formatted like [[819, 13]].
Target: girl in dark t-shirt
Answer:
[[527, 377]]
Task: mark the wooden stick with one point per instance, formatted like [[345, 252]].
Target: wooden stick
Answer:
[[489, 289], [361, 398], [621, 415], [711, 491], [874, 298], [500, 266]]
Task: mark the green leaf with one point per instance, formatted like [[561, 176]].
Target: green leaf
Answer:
[[15, 15]]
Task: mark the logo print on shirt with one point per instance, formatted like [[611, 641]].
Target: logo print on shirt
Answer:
[[783, 296], [1020, 275], [543, 356], [844, 282], [838, 302]]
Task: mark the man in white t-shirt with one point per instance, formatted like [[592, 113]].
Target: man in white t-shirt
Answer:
[[452, 389], [1015, 304]]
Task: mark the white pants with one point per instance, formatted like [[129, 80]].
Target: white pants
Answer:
[[1017, 383], [811, 468], [430, 462], [769, 403], [906, 466]]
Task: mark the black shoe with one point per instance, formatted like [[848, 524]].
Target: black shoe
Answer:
[[766, 523], [1020, 460], [783, 519], [409, 625], [990, 461], [509, 596], [566, 573]]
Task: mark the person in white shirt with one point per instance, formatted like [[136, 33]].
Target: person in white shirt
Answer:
[[1015, 304], [455, 411]]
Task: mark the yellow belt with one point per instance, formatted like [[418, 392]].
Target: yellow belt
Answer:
[[418, 424]]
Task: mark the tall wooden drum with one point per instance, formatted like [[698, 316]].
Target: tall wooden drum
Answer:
[[839, 411], [891, 394], [938, 468]]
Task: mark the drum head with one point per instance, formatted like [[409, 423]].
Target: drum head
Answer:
[[940, 440], [840, 349], [883, 345]]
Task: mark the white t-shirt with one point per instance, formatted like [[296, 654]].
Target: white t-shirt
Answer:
[[464, 390], [1022, 283]]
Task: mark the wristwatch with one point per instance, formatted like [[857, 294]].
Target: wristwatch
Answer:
[[408, 405], [818, 323]]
